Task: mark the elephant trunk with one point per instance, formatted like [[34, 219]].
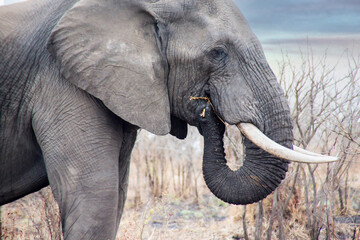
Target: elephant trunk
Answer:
[[261, 172]]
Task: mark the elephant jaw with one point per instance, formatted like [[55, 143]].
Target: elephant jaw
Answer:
[[268, 145]]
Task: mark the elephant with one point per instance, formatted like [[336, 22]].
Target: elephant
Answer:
[[78, 78]]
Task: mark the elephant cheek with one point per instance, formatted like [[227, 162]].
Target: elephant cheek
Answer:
[[235, 103]]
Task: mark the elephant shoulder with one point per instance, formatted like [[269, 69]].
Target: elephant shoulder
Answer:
[[8, 19], [31, 18], [15, 17]]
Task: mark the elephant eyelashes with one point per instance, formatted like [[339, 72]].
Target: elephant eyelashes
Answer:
[[218, 55]]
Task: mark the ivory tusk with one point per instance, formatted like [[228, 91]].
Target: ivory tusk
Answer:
[[268, 145], [300, 150]]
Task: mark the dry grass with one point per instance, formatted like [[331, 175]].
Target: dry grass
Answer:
[[35, 216], [183, 206]]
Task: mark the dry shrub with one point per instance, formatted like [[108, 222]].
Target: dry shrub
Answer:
[[35, 216], [165, 165]]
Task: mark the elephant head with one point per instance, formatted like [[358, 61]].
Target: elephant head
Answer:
[[145, 59]]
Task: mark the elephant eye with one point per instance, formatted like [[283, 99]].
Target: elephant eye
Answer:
[[218, 54]]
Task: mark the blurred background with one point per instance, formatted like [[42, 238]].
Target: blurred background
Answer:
[[314, 49]]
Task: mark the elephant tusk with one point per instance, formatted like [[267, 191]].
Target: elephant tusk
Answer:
[[306, 152], [268, 145]]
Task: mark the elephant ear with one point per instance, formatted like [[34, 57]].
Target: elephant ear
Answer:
[[111, 50], [178, 128]]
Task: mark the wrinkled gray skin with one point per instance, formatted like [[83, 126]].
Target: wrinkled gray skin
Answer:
[[77, 79]]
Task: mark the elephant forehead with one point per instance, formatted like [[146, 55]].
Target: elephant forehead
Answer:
[[230, 22], [203, 25]]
